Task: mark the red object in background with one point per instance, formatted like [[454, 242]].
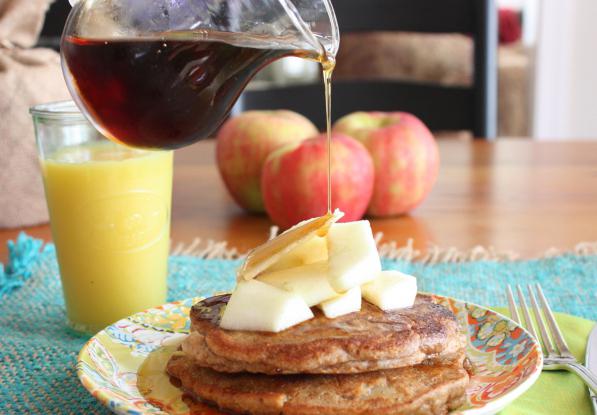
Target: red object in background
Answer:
[[510, 27], [294, 180]]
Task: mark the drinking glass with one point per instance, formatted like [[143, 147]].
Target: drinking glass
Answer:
[[109, 214]]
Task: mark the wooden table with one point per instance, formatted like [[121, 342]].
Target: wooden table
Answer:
[[516, 195]]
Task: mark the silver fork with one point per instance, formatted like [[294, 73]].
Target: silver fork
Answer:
[[555, 356]]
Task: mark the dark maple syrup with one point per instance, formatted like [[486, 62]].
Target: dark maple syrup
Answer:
[[172, 91], [162, 93]]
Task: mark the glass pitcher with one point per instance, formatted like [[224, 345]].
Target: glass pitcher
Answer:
[[166, 73]]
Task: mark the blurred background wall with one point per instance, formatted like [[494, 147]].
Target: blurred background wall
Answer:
[[565, 98]]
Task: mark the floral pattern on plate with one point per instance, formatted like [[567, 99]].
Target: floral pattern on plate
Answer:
[[506, 359]]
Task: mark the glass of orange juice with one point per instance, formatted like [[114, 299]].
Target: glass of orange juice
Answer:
[[109, 214]]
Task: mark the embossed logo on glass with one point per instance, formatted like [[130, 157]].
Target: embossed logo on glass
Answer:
[[126, 222]]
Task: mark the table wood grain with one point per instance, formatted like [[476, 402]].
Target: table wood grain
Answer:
[[514, 195]]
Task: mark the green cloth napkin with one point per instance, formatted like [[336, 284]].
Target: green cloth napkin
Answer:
[[558, 392]]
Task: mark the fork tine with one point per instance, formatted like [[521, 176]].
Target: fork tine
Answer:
[[512, 305], [525, 312], [553, 325], [547, 344]]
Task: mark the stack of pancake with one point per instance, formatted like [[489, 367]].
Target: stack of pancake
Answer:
[[407, 361]]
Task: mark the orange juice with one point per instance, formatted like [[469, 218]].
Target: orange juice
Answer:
[[110, 218]]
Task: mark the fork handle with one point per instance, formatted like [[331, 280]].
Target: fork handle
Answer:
[[585, 374]]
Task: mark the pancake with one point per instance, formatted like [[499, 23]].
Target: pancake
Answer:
[[421, 389], [369, 340]]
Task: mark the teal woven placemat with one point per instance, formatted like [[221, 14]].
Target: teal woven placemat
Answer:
[[38, 354]]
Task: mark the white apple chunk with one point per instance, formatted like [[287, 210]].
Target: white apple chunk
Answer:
[[311, 251], [391, 290], [308, 281], [264, 256], [349, 302], [352, 255], [257, 306]]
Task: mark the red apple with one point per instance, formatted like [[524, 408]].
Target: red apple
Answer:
[[245, 141], [405, 156], [294, 180]]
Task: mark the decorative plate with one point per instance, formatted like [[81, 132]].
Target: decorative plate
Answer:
[[506, 359]]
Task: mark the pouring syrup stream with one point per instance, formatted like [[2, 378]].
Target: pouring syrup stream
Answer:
[[328, 63]]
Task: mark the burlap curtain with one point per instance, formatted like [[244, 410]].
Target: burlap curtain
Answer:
[[28, 76]]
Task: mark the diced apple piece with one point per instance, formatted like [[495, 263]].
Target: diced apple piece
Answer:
[[349, 302], [287, 261], [391, 290], [311, 251], [257, 306], [264, 256], [309, 281], [353, 257]]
